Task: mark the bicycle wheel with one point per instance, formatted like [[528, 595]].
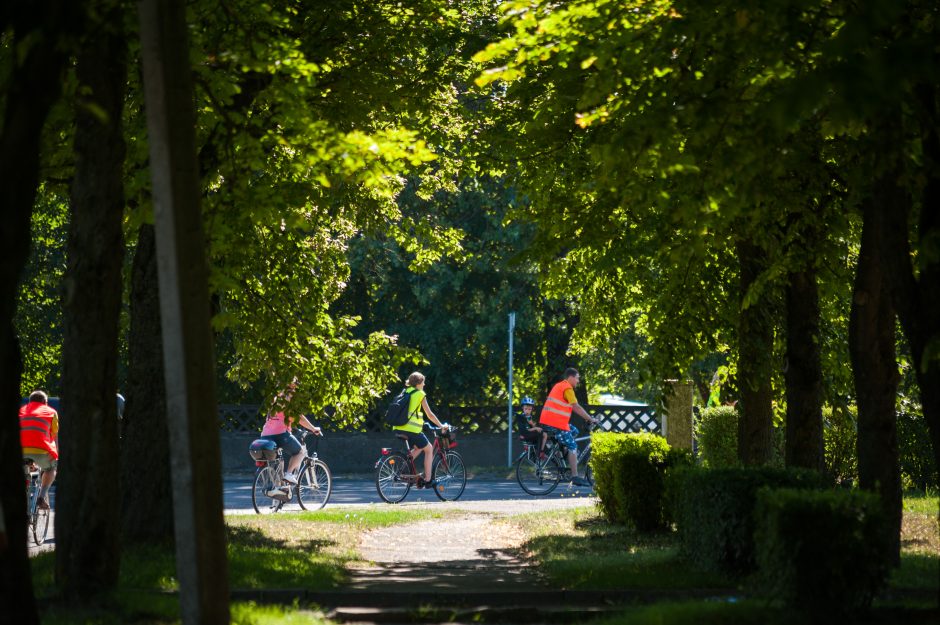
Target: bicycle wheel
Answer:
[[390, 484], [265, 482], [314, 485], [538, 477], [40, 526], [588, 471], [450, 480]]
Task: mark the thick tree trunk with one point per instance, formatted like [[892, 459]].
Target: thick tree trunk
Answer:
[[916, 295], [185, 319], [147, 508], [874, 365], [804, 443], [755, 364], [32, 88], [88, 502]]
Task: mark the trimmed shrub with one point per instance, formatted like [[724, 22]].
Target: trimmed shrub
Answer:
[[715, 512], [717, 435], [825, 552], [629, 472]]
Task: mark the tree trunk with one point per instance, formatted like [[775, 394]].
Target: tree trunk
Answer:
[[915, 295], [88, 505], [32, 87], [147, 507], [874, 365], [755, 363], [201, 562], [804, 442]]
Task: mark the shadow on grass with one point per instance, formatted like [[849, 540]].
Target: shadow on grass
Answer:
[[611, 557]]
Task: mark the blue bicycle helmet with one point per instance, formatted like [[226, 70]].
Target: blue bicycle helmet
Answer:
[[528, 401]]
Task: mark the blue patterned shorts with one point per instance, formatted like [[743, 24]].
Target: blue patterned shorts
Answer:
[[565, 439]]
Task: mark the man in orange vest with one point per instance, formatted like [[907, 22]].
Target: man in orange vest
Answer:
[[39, 431], [556, 419]]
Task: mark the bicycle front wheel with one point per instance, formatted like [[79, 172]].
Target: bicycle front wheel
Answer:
[[263, 491], [40, 526], [389, 480], [538, 477], [450, 476], [314, 485]]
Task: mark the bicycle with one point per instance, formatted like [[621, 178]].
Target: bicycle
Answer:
[[270, 491], [36, 517], [540, 476], [396, 473]]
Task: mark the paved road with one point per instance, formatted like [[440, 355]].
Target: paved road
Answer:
[[485, 495]]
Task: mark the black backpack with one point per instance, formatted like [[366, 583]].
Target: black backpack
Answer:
[[397, 413]]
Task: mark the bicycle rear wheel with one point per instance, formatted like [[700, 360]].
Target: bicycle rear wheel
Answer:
[[450, 478], [265, 482], [314, 485], [389, 481], [538, 477]]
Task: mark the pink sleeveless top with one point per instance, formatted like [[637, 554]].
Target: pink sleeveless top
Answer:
[[274, 424]]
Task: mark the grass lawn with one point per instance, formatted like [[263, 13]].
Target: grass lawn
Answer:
[[920, 546], [305, 550], [578, 548]]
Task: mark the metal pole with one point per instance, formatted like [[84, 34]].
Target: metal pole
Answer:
[[512, 326]]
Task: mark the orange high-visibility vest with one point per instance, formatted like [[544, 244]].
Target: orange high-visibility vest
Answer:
[[36, 428], [557, 412]]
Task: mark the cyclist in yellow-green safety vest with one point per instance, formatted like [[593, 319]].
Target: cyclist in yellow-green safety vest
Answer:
[[414, 429]]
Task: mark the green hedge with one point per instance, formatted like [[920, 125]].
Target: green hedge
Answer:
[[629, 474], [821, 551], [715, 512], [717, 435]]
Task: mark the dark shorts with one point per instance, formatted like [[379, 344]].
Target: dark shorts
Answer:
[[565, 439], [417, 440], [286, 441], [533, 438]]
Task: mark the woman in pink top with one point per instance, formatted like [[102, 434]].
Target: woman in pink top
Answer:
[[277, 428]]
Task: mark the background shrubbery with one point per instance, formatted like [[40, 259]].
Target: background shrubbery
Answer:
[[629, 471], [716, 431], [717, 435]]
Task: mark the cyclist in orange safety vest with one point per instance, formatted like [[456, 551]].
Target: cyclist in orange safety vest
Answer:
[[555, 419], [39, 431]]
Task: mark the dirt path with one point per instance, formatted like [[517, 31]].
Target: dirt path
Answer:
[[470, 551]]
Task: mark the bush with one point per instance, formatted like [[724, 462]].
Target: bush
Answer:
[[717, 435], [715, 512], [825, 552], [629, 472], [840, 434]]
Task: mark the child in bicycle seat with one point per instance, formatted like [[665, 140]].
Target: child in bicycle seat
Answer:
[[528, 427]]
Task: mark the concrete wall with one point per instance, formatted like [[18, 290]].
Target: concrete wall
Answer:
[[357, 453]]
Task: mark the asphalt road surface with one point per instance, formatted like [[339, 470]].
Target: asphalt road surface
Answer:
[[480, 494]]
